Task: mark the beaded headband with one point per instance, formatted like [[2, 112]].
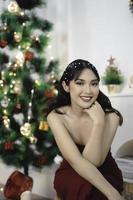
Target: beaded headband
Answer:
[[75, 65]]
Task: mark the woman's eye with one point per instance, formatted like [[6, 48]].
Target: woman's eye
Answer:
[[79, 83], [95, 84]]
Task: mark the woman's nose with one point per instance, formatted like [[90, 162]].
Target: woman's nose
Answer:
[[87, 88]]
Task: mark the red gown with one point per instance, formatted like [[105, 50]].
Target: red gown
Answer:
[[69, 185]]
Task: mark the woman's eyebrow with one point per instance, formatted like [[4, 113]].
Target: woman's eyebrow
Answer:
[[93, 80], [79, 79]]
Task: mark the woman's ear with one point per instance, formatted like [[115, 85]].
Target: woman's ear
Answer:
[[65, 86]]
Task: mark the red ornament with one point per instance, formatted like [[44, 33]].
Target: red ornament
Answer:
[[29, 55], [3, 43], [8, 145], [49, 93], [41, 160], [18, 106]]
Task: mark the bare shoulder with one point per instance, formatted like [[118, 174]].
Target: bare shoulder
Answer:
[[53, 116], [62, 137], [112, 119]]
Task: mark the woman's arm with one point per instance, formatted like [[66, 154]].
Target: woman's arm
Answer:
[[111, 125], [93, 150], [82, 166], [102, 134], [101, 138]]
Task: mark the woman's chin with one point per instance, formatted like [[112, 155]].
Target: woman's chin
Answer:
[[86, 106]]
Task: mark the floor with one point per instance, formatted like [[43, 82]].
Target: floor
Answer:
[[34, 197]]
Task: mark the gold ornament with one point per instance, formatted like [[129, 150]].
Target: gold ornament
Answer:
[[17, 36], [17, 88], [43, 126], [1, 83], [55, 91], [26, 129], [25, 45], [13, 7], [33, 139], [53, 77], [5, 27], [6, 121], [19, 59]]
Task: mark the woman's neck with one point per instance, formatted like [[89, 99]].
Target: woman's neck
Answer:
[[76, 111]]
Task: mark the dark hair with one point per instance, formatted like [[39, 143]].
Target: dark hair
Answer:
[[72, 72]]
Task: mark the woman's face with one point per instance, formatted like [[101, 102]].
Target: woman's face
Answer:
[[84, 90]]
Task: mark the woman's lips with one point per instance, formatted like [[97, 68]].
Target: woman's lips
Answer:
[[86, 98]]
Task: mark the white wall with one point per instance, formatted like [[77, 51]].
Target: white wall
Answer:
[[56, 11], [99, 29]]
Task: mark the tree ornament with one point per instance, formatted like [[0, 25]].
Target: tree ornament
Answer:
[[17, 36], [55, 91], [6, 121], [35, 76], [49, 93], [36, 39], [5, 102], [8, 145], [47, 144], [19, 118], [13, 7], [53, 77], [1, 83], [18, 106], [5, 27], [3, 43], [43, 126], [26, 129], [24, 45], [46, 78], [29, 55], [19, 59], [58, 159], [17, 88], [33, 139]]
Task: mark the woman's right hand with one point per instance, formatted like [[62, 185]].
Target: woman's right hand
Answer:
[[96, 112]]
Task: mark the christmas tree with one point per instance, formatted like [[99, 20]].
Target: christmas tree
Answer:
[[27, 80], [112, 74]]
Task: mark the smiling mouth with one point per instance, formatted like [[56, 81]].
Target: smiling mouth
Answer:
[[86, 98]]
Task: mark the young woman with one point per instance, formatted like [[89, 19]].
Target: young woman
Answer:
[[84, 124]]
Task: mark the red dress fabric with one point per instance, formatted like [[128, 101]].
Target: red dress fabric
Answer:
[[69, 185]]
